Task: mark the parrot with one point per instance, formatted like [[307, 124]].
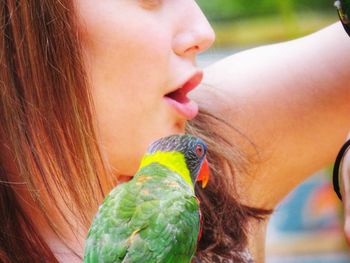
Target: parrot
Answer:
[[154, 217]]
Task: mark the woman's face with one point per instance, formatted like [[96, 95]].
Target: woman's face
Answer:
[[137, 52]]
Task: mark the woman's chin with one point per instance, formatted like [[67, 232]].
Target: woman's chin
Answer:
[[124, 178], [180, 127]]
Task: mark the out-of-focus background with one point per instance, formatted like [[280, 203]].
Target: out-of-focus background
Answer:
[[242, 22], [307, 225]]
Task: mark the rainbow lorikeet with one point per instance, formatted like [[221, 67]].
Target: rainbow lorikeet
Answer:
[[154, 217]]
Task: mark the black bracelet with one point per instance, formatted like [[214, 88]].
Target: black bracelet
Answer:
[[336, 167]]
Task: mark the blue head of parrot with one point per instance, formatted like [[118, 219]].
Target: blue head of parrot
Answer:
[[194, 151]]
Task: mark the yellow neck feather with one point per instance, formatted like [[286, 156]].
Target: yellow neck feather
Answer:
[[175, 161]]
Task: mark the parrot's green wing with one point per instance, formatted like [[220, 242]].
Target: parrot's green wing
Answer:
[[153, 218]]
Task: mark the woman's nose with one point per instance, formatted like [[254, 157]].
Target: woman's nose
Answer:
[[195, 34]]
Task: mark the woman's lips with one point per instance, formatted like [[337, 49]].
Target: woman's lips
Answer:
[[178, 98]]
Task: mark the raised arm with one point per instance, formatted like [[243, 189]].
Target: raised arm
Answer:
[[292, 100]]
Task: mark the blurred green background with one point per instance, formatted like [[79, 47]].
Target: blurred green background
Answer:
[[253, 22]]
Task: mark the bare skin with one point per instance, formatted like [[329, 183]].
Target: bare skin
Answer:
[[345, 190], [292, 101], [136, 52]]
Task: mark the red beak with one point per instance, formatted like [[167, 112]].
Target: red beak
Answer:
[[204, 174]]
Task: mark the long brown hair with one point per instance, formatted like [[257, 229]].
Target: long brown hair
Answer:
[[46, 126], [47, 134], [225, 218]]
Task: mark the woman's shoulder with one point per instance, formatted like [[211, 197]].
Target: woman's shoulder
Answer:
[[288, 113]]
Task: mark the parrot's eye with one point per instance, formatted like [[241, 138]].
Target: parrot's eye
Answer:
[[199, 150]]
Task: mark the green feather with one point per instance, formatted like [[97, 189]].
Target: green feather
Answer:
[[152, 218]]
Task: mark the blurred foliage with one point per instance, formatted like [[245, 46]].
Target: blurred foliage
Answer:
[[269, 29], [252, 22], [233, 9]]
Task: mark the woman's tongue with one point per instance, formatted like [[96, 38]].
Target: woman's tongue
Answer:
[[179, 100]]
